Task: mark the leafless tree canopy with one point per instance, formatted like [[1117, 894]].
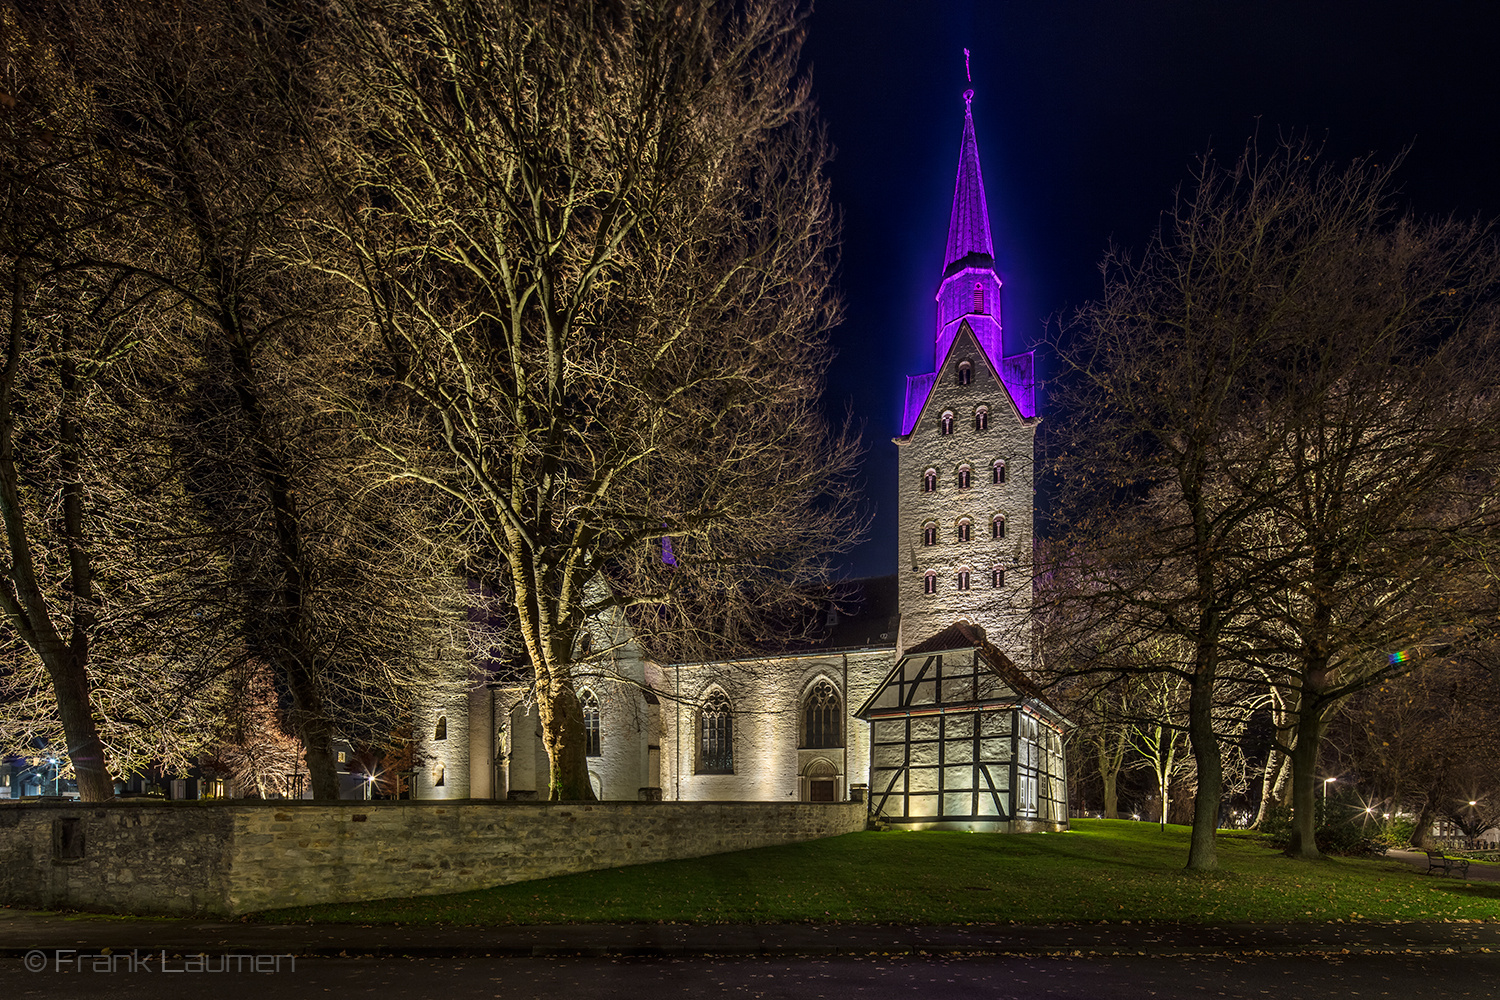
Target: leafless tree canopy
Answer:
[[1282, 436], [598, 241]]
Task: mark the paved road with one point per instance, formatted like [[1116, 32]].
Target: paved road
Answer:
[[1407, 977]]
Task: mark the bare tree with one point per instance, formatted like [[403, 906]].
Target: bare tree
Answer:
[[1283, 343], [598, 240], [321, 574]]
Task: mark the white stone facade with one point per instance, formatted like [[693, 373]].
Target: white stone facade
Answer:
[[931, 520]]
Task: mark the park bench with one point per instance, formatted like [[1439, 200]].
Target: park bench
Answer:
[[1437, 862]]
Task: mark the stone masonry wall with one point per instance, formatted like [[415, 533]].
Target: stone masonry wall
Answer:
[[194, 858]]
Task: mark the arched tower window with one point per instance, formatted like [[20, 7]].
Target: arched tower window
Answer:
[[929, 534], [716, 736], [997, 577], [997, 472], [591, 741], [965, 477], [929, 583], [440, 731], [946, 426], [978, 297], [963, 578], [438, 774], [982, 419], [822, 717], [965, 530], [997, 526], [929, 481], [965, 373]]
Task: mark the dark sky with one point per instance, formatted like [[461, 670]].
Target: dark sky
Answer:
[[1088, 115]]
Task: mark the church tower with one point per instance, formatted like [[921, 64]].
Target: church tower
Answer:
[[964, 494]]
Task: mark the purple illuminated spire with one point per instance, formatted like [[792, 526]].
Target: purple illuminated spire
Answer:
[[969, 225]]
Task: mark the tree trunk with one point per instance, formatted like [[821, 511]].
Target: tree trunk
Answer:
[[1202, 853], [1270, 783], [1111, 793], [562, 735], [1421, 833], [1304, 843], [21, 593]]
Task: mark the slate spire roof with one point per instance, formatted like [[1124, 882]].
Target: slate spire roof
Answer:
[[969, 224]]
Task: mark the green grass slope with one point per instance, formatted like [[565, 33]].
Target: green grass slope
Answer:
[[1101, 870]]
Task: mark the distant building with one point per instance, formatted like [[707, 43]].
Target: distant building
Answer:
[[922, 698]]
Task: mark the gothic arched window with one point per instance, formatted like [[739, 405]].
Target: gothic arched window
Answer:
[[965, 373], [965, 530], [591, 741], [965, 476], [716, 736], [929, 534], [929, 481], [997, 526], [946, 427], [997, 473], [440, 731], [822, 716], [963, 579], [929, 583], [982, 419]]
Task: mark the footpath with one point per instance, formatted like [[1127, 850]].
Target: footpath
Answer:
[[70, 937]]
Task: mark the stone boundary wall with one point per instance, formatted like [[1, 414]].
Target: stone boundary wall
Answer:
[[217, 859]]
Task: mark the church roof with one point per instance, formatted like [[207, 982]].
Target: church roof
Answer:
[[969, 223]]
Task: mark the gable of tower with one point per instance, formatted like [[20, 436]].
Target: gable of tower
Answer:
[[927, 395]]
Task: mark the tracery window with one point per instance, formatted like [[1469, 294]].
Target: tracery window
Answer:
[[716, 736], [822, 717], [591, 741]]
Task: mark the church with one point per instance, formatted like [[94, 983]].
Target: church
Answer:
[[920, 702]]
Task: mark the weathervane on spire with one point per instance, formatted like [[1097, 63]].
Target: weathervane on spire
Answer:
[[968, 94]]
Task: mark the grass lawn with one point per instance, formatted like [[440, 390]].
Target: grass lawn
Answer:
[[1101, 870]]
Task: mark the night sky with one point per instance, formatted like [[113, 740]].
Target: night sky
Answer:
[[1088, 115]]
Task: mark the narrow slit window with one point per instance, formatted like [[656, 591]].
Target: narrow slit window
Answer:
[[591, 733], [978, 298]]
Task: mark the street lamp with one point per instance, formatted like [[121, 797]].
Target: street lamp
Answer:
[[1326, 783], [56, 777]]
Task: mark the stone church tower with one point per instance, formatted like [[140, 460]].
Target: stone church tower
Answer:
[[966, 448]]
